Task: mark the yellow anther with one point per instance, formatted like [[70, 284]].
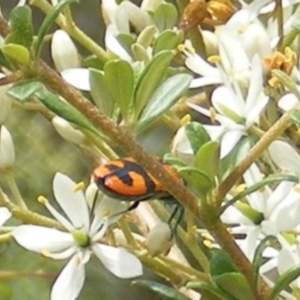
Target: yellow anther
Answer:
[[208, 244], [79, 186], [214, 59], [240, 188], [181, 47], [185, 120], [42, 200], [45, 253], [206, 236]]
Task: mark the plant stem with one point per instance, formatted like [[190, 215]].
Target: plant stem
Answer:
[[14, 189]]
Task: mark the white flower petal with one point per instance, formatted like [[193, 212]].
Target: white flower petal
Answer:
[[72, 202], [63, 51], [284, 156], [7, 150], [70, 281], [224, 100], [286, 260], [113, 45], [204, 81], [229, 140], [288, 102], [199, 66], [38, 238], [118, 261], [77, 77], [256, 83], [5, 214], [67, 131], [254, 113]]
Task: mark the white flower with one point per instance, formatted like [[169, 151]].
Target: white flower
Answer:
[[237, 112], [7, 150], [80, 240], [63, 51], [275, 211]]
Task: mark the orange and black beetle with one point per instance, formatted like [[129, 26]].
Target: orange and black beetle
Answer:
[[124, 179]]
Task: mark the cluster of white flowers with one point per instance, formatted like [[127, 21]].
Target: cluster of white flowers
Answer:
[[239, 75]]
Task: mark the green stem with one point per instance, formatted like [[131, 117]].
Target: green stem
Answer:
[[74, 31], [14, 189], [186, 269], [28, 216], [5, 237]]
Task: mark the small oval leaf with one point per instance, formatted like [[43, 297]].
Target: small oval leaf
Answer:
[[165, 291], [23, 90], [150, 78], [16, 53], [165, 96]]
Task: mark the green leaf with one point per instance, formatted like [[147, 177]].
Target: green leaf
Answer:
[[100, 92], [235, 285], [120, 82], [92, 61], [173, 160], [150, 78], [200, 286], [165, 96], [220, 263], [237, 155], [139, 52], [258, 256], [166, 292], [63, 109], [3, 61], [208, 159], [146, 37], [16, 53], [287, 82], [273, 178], [165, 16], [199, 182], [197, 135], [23, 90], [126, 40], [48, 22], [167, 40], [21, 26], [295, 117], [283, 281]]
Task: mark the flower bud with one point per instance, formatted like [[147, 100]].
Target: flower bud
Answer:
[[5, 102], [160, 239], [63, 51], [66, 131], [181, 147], [7, 150], [256, 40]]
